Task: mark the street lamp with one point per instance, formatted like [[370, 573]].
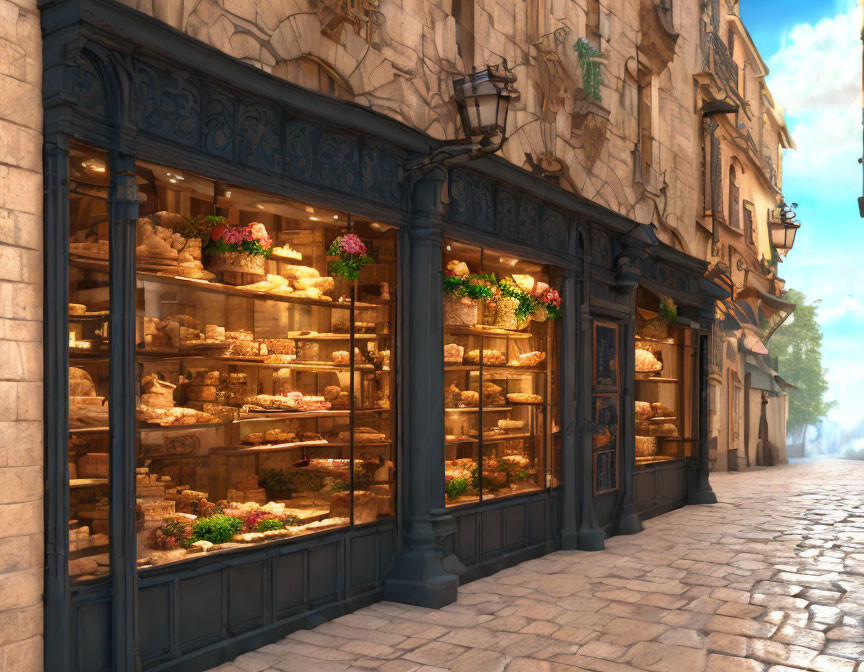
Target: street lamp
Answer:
[[483, 100], [783, 230]]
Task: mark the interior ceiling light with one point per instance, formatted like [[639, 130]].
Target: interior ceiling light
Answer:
[[310, 209], [313, 219]]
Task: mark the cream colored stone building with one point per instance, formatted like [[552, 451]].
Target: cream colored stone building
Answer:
[[637, 145]]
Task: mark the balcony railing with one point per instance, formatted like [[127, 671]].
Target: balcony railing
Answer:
[[724, 67]]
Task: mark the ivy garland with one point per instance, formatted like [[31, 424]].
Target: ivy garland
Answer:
[[592, 77]]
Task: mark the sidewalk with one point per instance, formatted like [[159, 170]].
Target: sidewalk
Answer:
[[771, 579]]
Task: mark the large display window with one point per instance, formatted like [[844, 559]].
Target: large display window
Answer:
[[501, 411], [89, 449], [264, 382], [664, 383]]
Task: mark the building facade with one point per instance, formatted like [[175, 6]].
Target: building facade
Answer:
[[124, 122]]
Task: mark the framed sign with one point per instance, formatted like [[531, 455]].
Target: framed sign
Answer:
[[604, 427], [605, 365], [605, 471]]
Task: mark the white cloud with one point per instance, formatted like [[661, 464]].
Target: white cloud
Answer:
[[849, 307], [816, 76]]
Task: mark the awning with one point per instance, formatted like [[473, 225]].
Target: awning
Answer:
[[784, 384], [762, 376], [752, 341]]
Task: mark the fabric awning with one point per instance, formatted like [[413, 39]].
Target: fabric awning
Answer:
[[752, 341]]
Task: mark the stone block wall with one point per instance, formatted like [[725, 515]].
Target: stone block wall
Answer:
[[399, 57], [21, 522]]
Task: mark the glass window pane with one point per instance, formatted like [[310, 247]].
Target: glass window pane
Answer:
[[89, 364], [501, 411], [264, 375]]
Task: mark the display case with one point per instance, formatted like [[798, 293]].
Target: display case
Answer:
[[264, 341], [501, 414], [664, 379]]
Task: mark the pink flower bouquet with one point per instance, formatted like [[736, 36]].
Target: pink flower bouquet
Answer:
[[350, 253]]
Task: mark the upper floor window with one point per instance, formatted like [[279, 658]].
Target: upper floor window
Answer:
[[749, 223], [734, 193], [463, 14]]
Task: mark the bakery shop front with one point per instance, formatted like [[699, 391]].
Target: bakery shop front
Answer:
[[288, 375]]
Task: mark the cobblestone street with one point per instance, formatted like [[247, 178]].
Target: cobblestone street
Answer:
[[771, 579]]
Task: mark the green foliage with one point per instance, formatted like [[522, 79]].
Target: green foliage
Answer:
[[455, 487], [201, 226], [668, 310], [476, 286], [266, 524], [797, 345], [527, 303], [217, 529], [592, 78], [275, 480], [250, 246]]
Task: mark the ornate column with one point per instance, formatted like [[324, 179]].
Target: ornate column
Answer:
[[627, 282], [570, 436], [700, 492], [590, 537], [418, 575], [123, 213], [56, 403]]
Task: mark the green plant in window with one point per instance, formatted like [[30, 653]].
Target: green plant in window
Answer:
[[266, 524], [668, 310], [455, 487], [217, 529], [592, 78]]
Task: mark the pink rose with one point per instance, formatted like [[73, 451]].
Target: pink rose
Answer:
[[552, 297], [259, 232], [217, 233], [233, 236], [351, 244]]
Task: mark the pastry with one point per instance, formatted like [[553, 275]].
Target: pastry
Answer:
[[453, 353], [646, 362], [469, 398], [325, 284], [524, 398], [504, 423], [490, 357], [286, 252], [309, 351], [292, 271], [213, 332], [528, 359], [280, 346], [77, 309], [80, 383], [284, 402], [313, 403], [341, 357], [643, 410], [661, 411], [279, 359], [663, 429]]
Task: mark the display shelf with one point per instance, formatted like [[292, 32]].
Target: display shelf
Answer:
[[87, 482], [257, 362], [670, 418], [481, 330], [656, 380], [239, 451], [216, 287], [476, 409], [97, 315], [490, 367], [262, 416], [659, 341], [84, 431]]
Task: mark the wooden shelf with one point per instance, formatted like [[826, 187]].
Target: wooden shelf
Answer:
[[87, 482], [239, 451], [489, 367], [260, 417], [656, 380], [88, 430], [257, 362], [215, 287], [481, 330], [476, 409]]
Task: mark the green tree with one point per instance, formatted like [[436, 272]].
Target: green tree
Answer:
[[797, 345]]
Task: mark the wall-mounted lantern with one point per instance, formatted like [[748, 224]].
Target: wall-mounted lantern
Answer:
[[783, 228], [483, 100]]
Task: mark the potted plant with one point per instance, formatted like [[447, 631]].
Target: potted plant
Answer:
[[238, 253]]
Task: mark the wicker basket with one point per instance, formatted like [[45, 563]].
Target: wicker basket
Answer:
[[460, 311], [237, 268]]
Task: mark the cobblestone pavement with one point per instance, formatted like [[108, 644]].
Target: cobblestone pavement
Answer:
[[771, 579]]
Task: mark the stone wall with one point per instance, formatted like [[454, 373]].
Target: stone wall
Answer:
[[399, 57], [21, 523]]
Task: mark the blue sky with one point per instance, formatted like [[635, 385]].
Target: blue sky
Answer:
[[814, 53]]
